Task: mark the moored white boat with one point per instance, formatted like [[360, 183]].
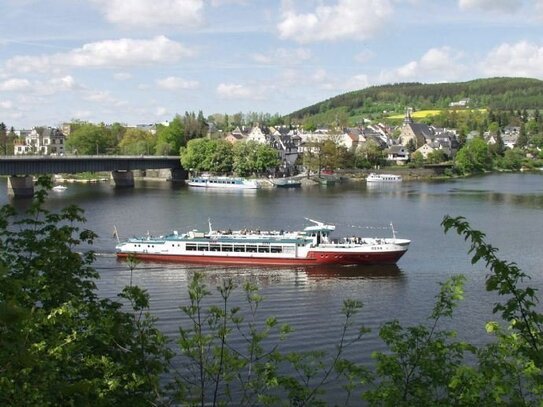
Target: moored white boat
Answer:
[[222, 182], [311, 246], [286, 182], [59, 188], [373, 177]]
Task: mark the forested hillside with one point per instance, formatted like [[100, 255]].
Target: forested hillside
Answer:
[[492, 93]]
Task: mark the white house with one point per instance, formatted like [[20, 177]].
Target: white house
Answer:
[[42, 141]]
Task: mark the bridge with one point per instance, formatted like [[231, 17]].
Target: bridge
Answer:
[[20, 169]]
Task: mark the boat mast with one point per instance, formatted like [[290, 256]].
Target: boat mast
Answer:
[[393, 231]]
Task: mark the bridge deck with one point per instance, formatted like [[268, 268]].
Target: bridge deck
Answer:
[[27, 165]]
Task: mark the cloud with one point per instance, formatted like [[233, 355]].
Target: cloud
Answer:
[[283, 56], [520, 59], [175, 83], [357, 82], [122, 76], [105, 54], [364, 56], [161, 111], [437, 64], [233, 91], [506, 6], [6, 104], [153, 13], [347, 19], [239, 91], [15, 85]]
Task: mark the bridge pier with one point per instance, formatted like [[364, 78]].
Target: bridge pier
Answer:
[[178, 175], [123, 179], [21, 186]]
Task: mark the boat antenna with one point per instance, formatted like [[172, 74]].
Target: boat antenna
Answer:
[[393, 231], [315, 222], [210, 227], [116, 234]]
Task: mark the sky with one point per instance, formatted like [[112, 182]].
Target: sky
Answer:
[[144, 61]]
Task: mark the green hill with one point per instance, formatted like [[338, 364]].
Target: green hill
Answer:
[[380, 101]]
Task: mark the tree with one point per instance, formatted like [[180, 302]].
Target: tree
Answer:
[[171, 137], [3, 139], [254, 158], [522, 140], [59, 343], [416, 159], [137, 141], [89, 139], [371, 152], [474, 157], [208, 155], [498, 147], [437, 156]]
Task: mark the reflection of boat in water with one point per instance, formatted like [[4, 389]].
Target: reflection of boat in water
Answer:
[[311, 246], [222, 182], [383, 178], [367, 271]]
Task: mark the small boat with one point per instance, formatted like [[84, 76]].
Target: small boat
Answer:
[[311, 246], [222, 182], [287, 182], [373, 177], [59, 188]]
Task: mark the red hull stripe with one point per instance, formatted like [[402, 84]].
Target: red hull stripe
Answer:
[[313, 258]]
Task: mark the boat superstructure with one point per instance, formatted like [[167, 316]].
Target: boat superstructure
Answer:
[[373, 177], [222, 182], [312, 245]]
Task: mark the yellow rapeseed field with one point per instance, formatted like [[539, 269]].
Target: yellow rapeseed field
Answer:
[[419, 114]]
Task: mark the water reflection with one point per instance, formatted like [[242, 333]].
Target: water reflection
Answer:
[[382, 272], [269, 275]]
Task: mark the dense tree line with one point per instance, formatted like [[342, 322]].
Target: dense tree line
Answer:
[[222, 157], [493, 93]]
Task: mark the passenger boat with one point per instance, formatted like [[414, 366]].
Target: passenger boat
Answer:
[[59, 188], [222, 182], [383, 178], [311, 246], [287, 182]]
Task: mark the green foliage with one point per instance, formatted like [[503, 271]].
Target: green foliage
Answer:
[[208, 155], [254, 158], [59, 343], [136, 142], [512, 159], [253, 370], [421, 360], [171, 137], [90, 139], [369, 155], [493, 93], [436, 157], [473, 158], [416, 160]]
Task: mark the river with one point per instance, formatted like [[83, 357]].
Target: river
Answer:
[[507, 207]]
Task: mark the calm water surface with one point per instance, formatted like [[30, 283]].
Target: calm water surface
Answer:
[[508, 208]]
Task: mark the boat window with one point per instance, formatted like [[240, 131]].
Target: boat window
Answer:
[[276, 249], [226, 248], [203, 247], [263, 249], [251, 248], [191, 246], [239, 248]]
